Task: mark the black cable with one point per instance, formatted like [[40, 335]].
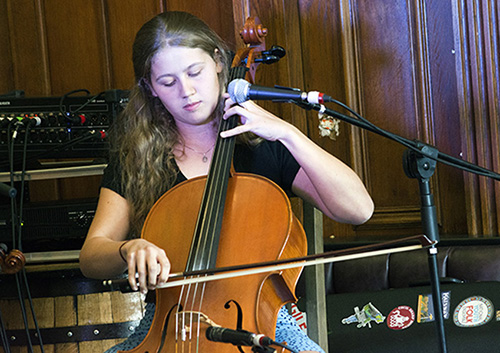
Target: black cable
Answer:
[[17, 224], [10, 146], [21, 197], [33, 315], [64, 96], [23, 312], [68, 114], [20, 229], [88, 102], [3, 335]]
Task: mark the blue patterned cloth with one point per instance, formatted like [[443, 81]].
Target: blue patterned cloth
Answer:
[[287, 330]]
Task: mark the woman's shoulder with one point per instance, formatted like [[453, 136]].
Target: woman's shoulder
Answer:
[[269, 159]]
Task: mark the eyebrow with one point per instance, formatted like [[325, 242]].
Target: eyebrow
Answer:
[[187, 69]]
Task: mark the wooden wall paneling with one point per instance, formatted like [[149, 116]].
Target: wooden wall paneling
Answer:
[[79, 58], [323, 70], [282, 21], [217, 14], [6, 69], [78, 55], [445, 116], [28, 47], [122, 21], [438, 107], [387, 79], [494, 89], [465, 109], [476, 38], [479, 90], [492, 60]]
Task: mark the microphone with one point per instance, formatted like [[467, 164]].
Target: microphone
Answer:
[[237, 337], [241, 91]]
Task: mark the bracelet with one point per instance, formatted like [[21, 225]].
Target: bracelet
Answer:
[[120, 250]]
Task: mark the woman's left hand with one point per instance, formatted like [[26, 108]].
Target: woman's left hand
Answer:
[[253, 118]]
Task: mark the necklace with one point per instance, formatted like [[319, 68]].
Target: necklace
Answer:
[[204, 158]]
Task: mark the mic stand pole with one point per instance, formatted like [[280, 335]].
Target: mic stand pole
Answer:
[[419, 162], [422, 168]]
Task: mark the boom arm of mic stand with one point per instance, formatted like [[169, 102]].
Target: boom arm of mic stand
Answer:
[[414, 145]]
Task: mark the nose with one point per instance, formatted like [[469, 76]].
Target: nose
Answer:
[[187, 87]]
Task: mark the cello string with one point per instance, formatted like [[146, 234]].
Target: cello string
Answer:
[[199, 318], [204, 235], [189, 296], [207, 234], [216, 181], [207, 231]]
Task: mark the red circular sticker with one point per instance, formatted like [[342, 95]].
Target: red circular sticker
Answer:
[[400, 318]]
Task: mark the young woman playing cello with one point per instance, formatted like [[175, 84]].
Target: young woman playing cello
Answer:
[[167, 135]]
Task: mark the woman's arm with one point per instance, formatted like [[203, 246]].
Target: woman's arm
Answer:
[[323, 180], [105, 248]]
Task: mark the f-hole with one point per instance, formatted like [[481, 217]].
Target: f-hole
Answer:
[[239, 319], [165, 326]]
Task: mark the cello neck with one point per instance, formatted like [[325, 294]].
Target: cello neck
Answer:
[[203, 252], [204, 246]]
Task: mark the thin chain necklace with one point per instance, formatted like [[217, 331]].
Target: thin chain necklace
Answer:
[[204, 158]]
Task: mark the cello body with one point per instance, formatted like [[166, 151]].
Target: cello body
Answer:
[[258, 225]]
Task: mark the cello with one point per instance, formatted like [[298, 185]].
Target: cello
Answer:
[[219, 220]]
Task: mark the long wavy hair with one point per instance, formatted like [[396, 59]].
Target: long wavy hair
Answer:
[[143, 141]]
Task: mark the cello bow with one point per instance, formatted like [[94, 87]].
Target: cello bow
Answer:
[[201, 276]]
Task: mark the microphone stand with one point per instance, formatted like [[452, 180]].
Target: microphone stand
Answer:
[[419, 162]]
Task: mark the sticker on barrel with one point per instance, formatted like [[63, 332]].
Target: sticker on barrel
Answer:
[[400, 318], [473, 312]]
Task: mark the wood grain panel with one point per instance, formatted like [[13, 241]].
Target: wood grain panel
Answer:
[[217, 14], [121, 26], [388, 86], [476, 33], [322, 35], [28, 47], [78, 56], [6, 72], [381, 84], [281, 19], [445, 123]]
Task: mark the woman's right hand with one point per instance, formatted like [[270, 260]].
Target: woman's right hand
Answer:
[[148, 265]]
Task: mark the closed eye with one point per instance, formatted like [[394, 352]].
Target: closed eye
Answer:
[[195, 73]]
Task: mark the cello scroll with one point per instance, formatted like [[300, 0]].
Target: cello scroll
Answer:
[[11, 262]]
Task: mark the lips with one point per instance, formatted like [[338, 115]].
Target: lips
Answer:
[[192, 106]]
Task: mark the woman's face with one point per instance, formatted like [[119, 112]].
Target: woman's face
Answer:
[[186, 82]]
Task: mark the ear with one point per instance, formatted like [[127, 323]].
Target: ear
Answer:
[[218, 61], [153, 92], [148, 87]]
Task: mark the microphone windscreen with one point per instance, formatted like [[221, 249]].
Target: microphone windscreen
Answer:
[[238, 90]]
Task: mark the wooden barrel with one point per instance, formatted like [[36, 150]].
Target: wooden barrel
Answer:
[[80, 322]]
